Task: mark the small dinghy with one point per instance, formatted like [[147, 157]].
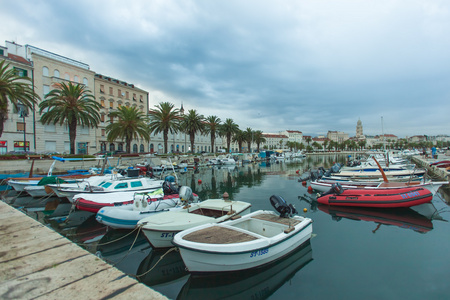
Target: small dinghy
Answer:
[[254, 240], [144, 205], [380, 198]]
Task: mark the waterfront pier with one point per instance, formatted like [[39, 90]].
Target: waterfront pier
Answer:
[[39, 263]]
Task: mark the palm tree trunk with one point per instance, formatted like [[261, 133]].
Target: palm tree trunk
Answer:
[[192, 138], [212, 143], [166, 138], [72, 136]]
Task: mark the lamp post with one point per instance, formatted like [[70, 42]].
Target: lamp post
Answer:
[[22, 114]]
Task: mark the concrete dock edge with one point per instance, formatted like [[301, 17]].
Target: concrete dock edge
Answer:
[[39, 263]]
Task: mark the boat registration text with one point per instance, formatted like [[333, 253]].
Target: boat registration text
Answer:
[[259, 252]]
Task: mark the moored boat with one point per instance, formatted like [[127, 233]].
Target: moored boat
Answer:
[[161, 228], [323, 185], [381, 197], [252, 241], [143, 206]]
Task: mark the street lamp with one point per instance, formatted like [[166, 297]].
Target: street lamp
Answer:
[[22, 114]]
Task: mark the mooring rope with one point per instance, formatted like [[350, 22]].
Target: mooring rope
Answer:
[[162, 256], [128, 252], [122, 237]]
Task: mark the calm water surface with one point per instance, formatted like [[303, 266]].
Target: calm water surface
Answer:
[[354, 253]]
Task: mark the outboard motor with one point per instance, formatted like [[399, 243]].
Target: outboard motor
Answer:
[[185, 193], [282, 207], [170, 188], [336, 188]]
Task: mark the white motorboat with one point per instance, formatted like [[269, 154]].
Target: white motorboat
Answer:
[[144, 205], [110, 184], [161, 228], [227, 160], [251, 241]]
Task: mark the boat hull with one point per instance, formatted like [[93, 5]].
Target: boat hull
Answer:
[[230, 257], [381, 198]]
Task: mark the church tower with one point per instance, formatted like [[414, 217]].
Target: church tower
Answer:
[[359, 130]]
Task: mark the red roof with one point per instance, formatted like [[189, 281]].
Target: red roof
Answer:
[[18, 58]]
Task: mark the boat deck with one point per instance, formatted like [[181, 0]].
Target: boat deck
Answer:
[[277, 219], [223, 235], [218, 235]]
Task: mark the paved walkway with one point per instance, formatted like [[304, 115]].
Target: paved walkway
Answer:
[[38, 263]]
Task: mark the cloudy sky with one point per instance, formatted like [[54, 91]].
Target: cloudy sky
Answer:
[[307, 65]]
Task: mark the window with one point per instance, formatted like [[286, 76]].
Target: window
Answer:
[[75, 78], [102, 102], [102, 117], [46, 89], [135, 184], [102, 88], [50, 146], [45, 71], [19, 146], [111, 119], [141, 98], [119, 93], [111, 104], [21, 126], [21, 72], [135, 148], [121, 185], [134, 97], [85, 81], [66, 76], [105, 184], [3, 147], [111, 91], [56, 73], [127, 95], [103, 132], [50, 128], [141, 148]]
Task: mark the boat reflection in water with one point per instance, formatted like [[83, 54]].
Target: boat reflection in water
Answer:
[[258, 283], [164, 271], [124, 249], [401, 217]]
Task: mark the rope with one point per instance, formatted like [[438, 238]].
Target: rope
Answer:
[[128, 252], [162, 256], [122, 237]]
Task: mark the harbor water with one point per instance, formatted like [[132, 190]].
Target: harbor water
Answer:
[[354, 253]]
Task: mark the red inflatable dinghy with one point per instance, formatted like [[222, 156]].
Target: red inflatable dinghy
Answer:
[[381, 198]]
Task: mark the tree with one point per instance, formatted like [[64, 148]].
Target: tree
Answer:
[[191, 124], [14, 89], [259, 138], [164, 118], [212, 124], [308, 140], [249, 138], [240, 137], [72, 104], [131, 124], [228, 129]]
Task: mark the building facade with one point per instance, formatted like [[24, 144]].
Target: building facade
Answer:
[[113, 93]]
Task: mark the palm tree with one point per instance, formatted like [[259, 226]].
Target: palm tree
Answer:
[[212, 126], [16, 89], [164, 118], [249, 138], [131, 124], [72, 104], [259, 138], [191, 124], [228, 129], [240, 137]]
